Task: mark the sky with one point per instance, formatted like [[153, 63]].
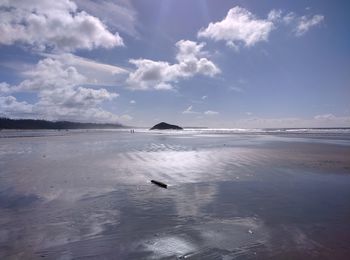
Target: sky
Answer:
[[210, 63]]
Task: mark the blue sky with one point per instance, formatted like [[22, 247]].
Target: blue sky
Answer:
[[193, 63]]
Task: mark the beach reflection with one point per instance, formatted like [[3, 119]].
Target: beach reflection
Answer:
[[88, 195], [191, 201]]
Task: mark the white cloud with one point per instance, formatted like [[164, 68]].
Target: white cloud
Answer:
[[330, 120], [61, 94], [300, 24], [16, 64], [256, 122], [126, 118], [189, 111], [76, 97], [306, 23], [204, 97], [58, 25], [326, 120], [158, 75], [211, 113], [325, 117], [120, 15], [236, 89], [5, 88], [274, 15], [132, 102], [289, 18], [57, 80], [189, 50], [239, 26], [50, 74], [163, 86], [71, 59], [149, 74], [10, 106], [92, 114], [95, 73]]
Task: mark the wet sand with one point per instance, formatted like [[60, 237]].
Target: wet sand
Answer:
[[76, 195]]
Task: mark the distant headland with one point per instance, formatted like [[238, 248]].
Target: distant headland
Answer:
[[166, 126], [7, 123]]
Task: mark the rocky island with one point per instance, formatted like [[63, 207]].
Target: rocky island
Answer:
[[166, 126]]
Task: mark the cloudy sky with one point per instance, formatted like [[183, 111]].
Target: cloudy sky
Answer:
[[215, 63]]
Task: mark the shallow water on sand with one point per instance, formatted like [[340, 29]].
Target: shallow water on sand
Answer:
[[78, 194]]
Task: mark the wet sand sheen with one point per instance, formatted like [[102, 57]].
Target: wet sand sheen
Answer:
[[229, 197]]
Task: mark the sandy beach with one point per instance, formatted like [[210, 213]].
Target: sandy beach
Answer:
[[87, 194]]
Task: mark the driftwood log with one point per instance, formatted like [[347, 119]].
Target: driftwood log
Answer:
[[160, 184]]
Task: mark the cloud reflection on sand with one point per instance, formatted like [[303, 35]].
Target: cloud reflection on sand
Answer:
[[228, 196], [169, 246], [181, 166], [192, 200]]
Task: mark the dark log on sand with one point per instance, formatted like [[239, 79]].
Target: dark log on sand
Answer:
[[160, 184]]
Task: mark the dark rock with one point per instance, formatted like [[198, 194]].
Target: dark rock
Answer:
[[165, 126]]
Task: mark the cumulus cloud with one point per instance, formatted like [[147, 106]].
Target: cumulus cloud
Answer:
[[159, 75], [189, 50], [53, 25], [75, 97], [239, 26], [10, 106], [59, 80], [61, 94], [149, 74], [91, 114], [305, 23], [49, 74], [4, 88]]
